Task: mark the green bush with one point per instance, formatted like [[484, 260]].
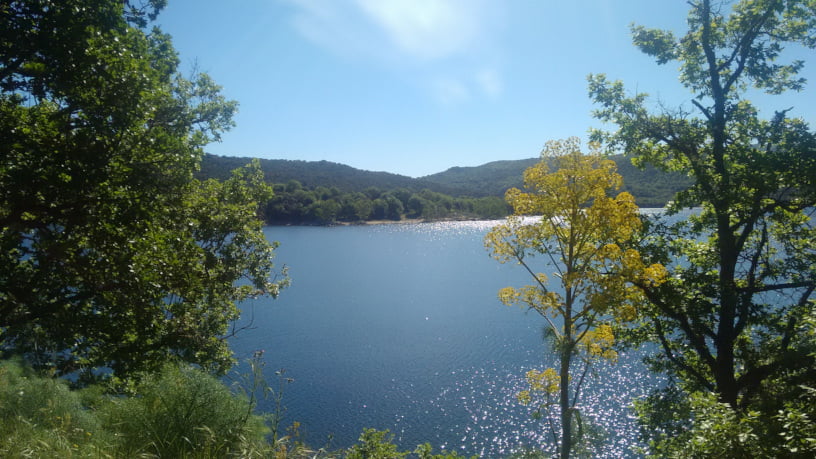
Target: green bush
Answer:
[[375, 444], [42, 417], [378, 444], [183, 411], [179, 412]]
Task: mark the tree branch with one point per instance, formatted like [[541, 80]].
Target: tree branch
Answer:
[[668, 352], [702, 109]]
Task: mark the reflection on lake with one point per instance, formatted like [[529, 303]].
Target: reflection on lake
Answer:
[[399, 327]]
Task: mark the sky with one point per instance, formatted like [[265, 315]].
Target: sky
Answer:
[[414, 87]]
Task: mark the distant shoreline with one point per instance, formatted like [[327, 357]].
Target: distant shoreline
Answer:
[[410, 221], [405, 221]]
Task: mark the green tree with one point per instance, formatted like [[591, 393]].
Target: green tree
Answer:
[[323, 212], [379, 209], [416, 205], [395, 207], [293, 186], [111, 254], [582, 235], [490, 207], [290, 204], [729, 320], [373, 192], [355, 207]]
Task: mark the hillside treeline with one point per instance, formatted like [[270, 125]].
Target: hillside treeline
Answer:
[[296, 204], [316, 173], [324, 193], [650, 187]]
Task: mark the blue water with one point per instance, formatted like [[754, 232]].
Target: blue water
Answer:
[[399, 327]]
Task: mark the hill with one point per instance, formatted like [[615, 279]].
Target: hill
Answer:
[[491, 179], [312, 174], [651, 188]]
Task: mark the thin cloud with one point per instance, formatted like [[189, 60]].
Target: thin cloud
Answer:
[[423, 29], [423, 37], [451, 91], [429, 29], [490, 83], [332, 26]]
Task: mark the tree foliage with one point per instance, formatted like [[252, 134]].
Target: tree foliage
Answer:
[[178, 411], [730, 319], [653, 187], [584, 236], [295, 204], [379, 444], [111, 254]]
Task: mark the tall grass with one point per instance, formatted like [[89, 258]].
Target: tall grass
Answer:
[[42, 417], [178, 412], [182, 411]]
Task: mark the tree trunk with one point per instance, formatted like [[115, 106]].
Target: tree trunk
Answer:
[[726, 330], [566, 412]]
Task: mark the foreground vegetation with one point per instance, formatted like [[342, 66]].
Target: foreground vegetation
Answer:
[[178, 411]]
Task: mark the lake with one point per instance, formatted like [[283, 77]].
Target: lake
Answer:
[[399, 327]]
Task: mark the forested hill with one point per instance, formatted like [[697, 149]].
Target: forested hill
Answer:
[[650, 187], [491, 179], [312, 174]]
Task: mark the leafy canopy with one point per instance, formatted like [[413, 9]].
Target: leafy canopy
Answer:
[[729, 320], [111, 254]]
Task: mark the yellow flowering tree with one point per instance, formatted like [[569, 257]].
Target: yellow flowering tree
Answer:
[[567, 222]]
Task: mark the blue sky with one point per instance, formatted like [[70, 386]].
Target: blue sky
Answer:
[[417, 86]]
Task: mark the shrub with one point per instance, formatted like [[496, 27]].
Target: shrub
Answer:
[[182, 411], [41, 417]]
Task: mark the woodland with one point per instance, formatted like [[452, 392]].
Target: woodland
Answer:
[[324, 193]]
